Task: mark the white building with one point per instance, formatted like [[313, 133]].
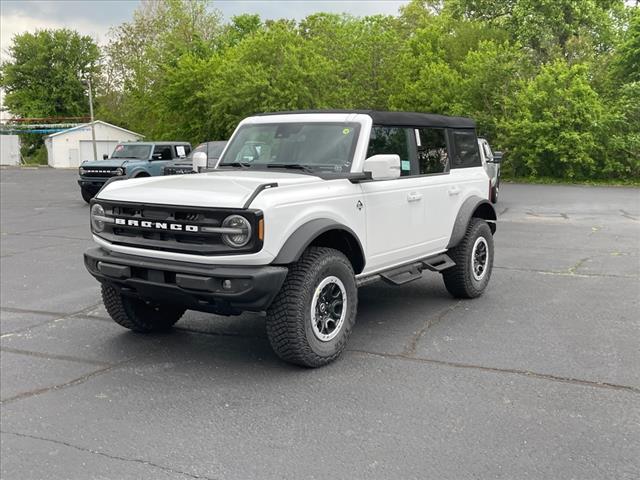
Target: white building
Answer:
[[71, 147], [9, 150]]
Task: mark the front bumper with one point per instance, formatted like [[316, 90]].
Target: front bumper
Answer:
[[194, 286], [93, 184]]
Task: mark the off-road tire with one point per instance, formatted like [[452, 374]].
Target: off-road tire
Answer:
[[86, 194], [459, 280], [289, 324], [136, 314]]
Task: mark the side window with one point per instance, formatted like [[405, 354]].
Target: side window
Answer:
[[466, 150], [487, 151], [182, 151], [391, 140], [432, 150], [162, 152]]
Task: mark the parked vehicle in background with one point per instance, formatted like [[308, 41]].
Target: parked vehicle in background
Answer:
[[301, 210], [129, 160], [185, 165], [491, 162]]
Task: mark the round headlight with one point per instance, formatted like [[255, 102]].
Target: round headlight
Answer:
[[96, 212], [242, 226], [82, 171], [119, 171]]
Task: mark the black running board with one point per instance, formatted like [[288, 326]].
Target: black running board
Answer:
[[411, 271]]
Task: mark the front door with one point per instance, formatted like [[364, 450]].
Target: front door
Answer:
[[394, 208]]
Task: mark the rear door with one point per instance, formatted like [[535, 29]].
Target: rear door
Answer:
[[468, 176], [436, 187]]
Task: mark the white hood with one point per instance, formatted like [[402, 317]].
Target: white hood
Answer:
[[222, 188]]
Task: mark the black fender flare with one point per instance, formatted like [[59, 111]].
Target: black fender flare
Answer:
[[302, 237], [468, 210]]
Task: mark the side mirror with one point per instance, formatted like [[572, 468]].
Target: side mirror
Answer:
[[199, 161], [383, 167], [105, 156], [497, 157]]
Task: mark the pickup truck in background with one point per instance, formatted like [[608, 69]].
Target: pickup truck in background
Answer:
[[212, 150], [491, 162], [130, 160]]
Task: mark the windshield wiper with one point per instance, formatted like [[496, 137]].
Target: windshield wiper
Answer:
[[293, 166], [236, 164]]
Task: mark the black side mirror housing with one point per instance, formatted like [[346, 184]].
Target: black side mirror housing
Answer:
[[105, 156], [497, 157]]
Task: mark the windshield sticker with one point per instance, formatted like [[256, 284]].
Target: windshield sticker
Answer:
[[406, 165], [180, 150], [346, 131]]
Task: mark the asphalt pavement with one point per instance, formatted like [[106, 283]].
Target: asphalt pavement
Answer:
[[539, 378]]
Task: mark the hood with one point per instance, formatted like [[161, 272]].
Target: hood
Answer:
[[109, 163], [222, 188]]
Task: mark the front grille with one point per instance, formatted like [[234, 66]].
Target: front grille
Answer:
[[174, 228], [99, 172]]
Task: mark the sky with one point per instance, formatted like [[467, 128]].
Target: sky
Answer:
[[95, 17]]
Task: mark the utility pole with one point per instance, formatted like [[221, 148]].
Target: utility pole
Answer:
[[93, 128]]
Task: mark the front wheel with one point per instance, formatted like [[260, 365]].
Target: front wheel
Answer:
[[474, 261], [311, 318], [138, 315]]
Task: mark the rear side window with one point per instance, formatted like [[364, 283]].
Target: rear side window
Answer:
[[433, 156], [162, 152], [466, 150], [391, 140]]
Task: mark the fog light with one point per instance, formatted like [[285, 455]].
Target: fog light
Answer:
[[226, 284]]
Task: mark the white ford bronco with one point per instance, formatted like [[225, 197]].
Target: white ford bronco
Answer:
[[302, 209]]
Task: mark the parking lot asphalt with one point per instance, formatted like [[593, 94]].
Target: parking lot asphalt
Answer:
[[538, 378]]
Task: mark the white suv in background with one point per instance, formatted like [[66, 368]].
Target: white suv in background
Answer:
[[302, 209]]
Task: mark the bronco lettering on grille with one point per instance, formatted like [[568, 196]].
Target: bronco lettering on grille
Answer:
[[157, 225]]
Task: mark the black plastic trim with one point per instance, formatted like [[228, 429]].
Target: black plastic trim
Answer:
[[469, 206], [257, 191], [194, 286], [307, 233]]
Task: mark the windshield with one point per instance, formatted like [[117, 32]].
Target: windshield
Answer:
[[215, 149], [315, 146], [132, 151]]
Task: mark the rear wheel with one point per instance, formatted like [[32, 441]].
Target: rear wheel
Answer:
[[138, 315], [311, 318], [474, 261]]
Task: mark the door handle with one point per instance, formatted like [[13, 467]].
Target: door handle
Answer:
[[454, 191], [414, 197]]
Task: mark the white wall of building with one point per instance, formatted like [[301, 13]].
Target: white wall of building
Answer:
[[9, 150], [70, 148]]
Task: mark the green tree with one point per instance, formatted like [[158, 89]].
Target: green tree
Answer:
[[43, 76], [143, 52], [552, 128], [269, 71], [548, 27]]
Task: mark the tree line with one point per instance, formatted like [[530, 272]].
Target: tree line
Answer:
[[553, 83]]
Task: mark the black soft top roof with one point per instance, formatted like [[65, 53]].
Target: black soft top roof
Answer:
[[398, 119]]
